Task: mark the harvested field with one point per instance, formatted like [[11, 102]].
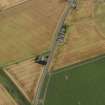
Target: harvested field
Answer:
[[84, 40], [28, 29], [84, 10], [99, 13], [25, 75], [5, 98]]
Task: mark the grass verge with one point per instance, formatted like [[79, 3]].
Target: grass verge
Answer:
[[12, 89]]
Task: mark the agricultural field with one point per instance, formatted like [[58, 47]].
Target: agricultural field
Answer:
[[5, 98], [24, 32], [77, 65], [25, 75], [86, 34], [81, 84], [100, 14], [13, 89], [4, 4]]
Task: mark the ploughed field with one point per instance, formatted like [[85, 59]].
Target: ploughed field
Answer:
[[81, 84]]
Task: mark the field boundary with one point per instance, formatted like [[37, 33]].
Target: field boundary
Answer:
[[13, 5], [35, 90], [79, 85], [8, 95], [72, 66], [21, 60], [13, 89], [45, 92], [17, 85], [52, 52]]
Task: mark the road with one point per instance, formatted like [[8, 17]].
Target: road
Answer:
[[53, 49]]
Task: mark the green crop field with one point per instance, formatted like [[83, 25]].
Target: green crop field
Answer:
[[83, 84]]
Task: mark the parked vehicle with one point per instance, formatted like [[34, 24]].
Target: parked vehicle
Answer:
[[62, 33], [73, 3], [41, 59]]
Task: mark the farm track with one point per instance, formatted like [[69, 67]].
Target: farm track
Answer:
[[53, 49]]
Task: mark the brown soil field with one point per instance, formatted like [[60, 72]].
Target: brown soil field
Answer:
[[4, 4], [85, 38], [5, 98], [25, 75], [28, 29]]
